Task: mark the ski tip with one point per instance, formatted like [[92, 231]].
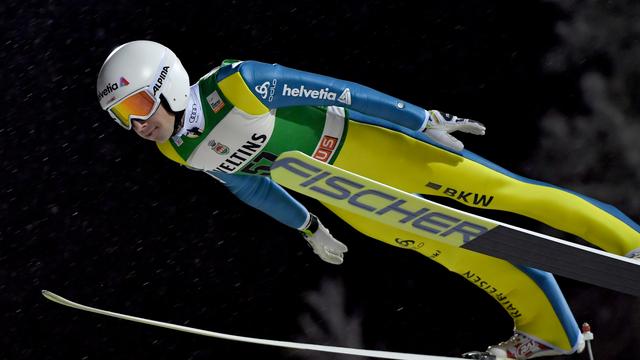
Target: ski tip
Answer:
[[48, 294], [53, 297]]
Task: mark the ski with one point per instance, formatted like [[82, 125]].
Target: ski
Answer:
[[429, 220], [480, 355], [284, 344]]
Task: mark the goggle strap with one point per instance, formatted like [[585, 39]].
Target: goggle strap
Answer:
[[156, 93]]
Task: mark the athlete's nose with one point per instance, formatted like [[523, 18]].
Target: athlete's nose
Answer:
[[138, 125]]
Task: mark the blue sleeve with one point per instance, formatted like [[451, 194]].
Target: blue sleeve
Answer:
[[278, 86], [265, 195]]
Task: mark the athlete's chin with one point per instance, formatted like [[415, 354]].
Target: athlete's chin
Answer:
[[160, 137], [156, 135]]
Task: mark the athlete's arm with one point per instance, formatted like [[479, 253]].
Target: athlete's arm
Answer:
[[279, 86], [272, 86], [265, 195]]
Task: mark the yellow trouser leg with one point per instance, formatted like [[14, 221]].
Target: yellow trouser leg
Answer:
[[408, 164], [519, 295]]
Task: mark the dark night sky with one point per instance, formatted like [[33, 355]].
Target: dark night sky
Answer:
[[95, 214]]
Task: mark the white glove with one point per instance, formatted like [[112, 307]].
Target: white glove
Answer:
[[322, 243], [440, 124]]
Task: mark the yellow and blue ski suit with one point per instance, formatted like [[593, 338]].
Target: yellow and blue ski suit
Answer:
[[243, 114]]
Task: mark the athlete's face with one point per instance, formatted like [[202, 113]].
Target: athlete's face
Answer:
[[158, 127]]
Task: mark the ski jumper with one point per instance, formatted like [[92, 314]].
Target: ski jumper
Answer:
[[242, 115]]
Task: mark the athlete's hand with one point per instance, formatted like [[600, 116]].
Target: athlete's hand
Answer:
[[440, 125], [323, 243]]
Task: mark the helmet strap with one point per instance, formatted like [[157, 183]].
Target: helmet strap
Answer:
[[178, 121]]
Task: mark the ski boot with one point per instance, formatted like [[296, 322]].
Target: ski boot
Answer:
[[518, 347], [634, 254]]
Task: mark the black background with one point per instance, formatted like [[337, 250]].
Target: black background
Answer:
[[99, 216]]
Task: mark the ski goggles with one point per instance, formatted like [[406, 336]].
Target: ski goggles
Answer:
[[139, 106]]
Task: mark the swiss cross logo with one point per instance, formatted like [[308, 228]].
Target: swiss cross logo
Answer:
[[326, 147]]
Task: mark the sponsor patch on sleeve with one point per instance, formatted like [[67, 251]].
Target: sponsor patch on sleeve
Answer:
[[215, 102]]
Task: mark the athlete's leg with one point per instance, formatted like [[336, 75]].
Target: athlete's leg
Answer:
[[472, 180], [533, 298]]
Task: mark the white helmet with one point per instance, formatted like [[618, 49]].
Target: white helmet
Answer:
[[147, 70]]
